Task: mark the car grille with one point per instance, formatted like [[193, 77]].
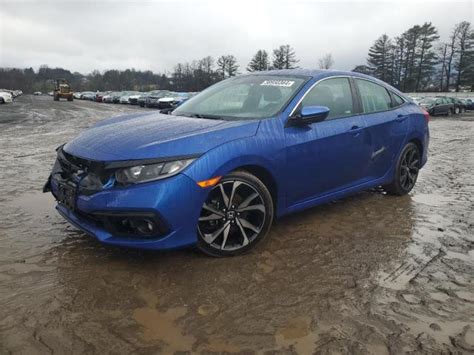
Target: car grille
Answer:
[[89, 175]]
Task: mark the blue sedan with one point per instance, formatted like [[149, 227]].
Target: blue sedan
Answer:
[[218, 170]]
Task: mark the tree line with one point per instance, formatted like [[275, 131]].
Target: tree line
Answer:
[[417, 61], [189, 76], [414, 61]]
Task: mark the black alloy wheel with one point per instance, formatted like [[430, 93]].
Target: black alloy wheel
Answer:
[[407, 170], [236, 216]]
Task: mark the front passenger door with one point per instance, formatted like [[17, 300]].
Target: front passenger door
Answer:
[[440, 107], [331, 155]]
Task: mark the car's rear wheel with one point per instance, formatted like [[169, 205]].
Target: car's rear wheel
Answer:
[[237, 215], [406, 173]]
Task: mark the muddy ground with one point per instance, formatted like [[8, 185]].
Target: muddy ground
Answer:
[[368, 274]]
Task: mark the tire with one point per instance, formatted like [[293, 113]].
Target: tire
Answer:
[[406, 171], [69, 98], [450, 113], [236, 216], [457, 111]]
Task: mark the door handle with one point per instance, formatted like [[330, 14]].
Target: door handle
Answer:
[[401, 118], [355, 130]]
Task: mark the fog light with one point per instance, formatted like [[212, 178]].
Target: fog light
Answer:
[[143, 226]]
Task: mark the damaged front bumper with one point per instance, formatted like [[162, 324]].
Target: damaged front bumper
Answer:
[[161, 214]]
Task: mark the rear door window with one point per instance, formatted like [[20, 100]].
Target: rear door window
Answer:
[[374, 97], [335, 94], [397, 100]]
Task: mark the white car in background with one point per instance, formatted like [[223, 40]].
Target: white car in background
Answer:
[[5, 97], [133, 99], [124, 99]]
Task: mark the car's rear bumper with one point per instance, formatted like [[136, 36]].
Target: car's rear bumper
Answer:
[[175, 203]]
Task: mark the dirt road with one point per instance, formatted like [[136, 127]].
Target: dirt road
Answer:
[[368, 274]]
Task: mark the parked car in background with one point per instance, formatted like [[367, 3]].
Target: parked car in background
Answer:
[[117, 96], [37, 93], [109, 98], [152, 100], [133, 99], [16, 93], [173, 101], [124, 99], [459, 107], [88, 95], [437, 106], [99, 96], [468, 103], [77, 95], [143, 98], [5, 97], [238, 155]]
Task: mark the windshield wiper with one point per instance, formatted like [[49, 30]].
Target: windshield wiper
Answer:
[[210, 117]]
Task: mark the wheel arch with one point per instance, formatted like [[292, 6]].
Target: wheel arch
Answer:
[[266, 177], [418, 143]]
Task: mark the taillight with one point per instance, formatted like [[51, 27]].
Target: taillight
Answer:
[[427, 116]]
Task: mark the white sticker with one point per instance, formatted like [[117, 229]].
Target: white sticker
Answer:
[[282, 83]]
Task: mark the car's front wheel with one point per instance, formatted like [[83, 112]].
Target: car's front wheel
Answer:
[[406, 171], [236, 215]]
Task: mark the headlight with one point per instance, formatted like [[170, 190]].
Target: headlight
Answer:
[[145, 173]]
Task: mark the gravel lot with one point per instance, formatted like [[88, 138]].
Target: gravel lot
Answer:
[[368, 274]]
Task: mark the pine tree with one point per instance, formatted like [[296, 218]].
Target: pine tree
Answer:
[[379, 58], [426, 57], [259, 61], [465, 45]]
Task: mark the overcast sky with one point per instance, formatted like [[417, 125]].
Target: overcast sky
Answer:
[[155, 35]]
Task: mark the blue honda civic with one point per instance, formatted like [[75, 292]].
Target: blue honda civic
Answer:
[[221, 167]]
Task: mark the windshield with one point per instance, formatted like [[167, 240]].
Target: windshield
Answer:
[[244, 97]]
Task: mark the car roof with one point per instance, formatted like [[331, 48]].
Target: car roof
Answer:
[[318, 74]]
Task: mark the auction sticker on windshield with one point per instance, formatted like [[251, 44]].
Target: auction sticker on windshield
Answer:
[[282, 83]]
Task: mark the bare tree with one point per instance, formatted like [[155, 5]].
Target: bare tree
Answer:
[[442, 55], [326, 62], [227, 66], [284, 57]]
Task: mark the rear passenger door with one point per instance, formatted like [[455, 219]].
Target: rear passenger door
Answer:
[[386, 117]]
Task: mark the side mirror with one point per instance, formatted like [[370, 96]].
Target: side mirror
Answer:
[[309, 114]]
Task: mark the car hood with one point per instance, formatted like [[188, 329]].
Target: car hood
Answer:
[[155, 135]]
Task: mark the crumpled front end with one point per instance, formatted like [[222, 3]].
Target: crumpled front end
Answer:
[[161, 214]]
